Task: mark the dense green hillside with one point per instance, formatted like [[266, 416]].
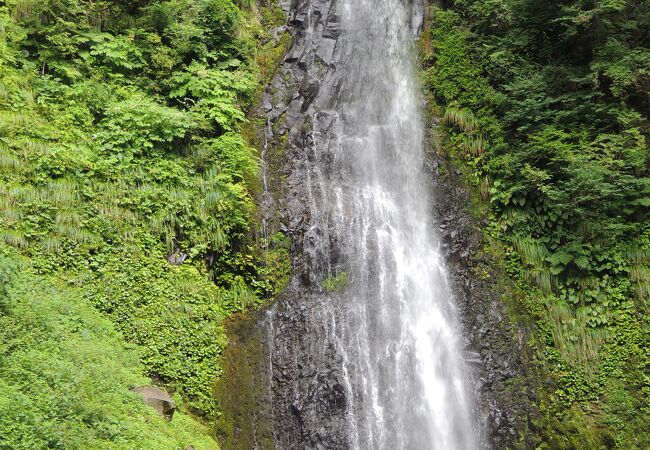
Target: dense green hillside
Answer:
[[546, 107], [65, 374], [126, 183]]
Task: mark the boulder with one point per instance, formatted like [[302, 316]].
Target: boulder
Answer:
[[158, 400]]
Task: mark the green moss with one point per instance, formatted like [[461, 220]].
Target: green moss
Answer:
[[336, 283], [242, 390]]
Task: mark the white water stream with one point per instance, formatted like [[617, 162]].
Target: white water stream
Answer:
[[394, 324], [399, 337]]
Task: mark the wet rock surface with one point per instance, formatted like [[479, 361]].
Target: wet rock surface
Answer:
[[496, 349], [307, 403]]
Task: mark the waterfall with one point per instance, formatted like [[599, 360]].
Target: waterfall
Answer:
[[376, 359]]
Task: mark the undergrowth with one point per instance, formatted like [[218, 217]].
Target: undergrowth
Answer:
[[127, 183], [555, 147], [66, 374]]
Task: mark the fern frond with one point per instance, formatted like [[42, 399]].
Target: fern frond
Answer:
[[14, 238], [462, 118]]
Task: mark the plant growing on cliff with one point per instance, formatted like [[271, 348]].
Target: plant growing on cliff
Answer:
[[562, 111], [125, 176], [335, 283]]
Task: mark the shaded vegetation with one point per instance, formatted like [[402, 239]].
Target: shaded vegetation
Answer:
[[546, 108]]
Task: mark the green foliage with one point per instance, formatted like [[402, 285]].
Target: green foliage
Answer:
[[139, 123], [124, 174], [335, 283], [66, 375], [275, 265], [213, 93], [119, 52], [546, 105]]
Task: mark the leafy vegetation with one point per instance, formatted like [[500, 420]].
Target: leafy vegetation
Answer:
[[335, 283], [65, 374], [126, 181], [546, 107]]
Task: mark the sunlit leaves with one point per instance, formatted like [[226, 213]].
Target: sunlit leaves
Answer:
[[139, 123], [119, 52], [120, 145], [213, 93]]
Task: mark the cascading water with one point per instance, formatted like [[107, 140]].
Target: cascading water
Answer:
[[377, 361]]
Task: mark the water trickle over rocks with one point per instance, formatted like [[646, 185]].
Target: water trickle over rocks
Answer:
[[367, 347]]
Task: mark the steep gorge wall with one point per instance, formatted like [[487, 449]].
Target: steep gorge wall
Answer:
[[283, 401]]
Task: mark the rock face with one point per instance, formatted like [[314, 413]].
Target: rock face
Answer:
[[305, 402], [158, 400], [305, 374], [496, 348]]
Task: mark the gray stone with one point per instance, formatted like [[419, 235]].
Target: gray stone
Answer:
[[308, 410], [158, 400]]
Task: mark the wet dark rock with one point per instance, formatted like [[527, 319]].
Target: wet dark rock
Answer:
[[307, 407], [496, 353]]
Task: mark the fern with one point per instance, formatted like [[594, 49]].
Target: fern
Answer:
[[14, 238], [462, 118]]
